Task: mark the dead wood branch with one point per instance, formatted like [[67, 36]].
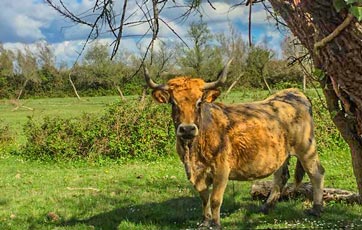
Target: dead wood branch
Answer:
[[261, 190]]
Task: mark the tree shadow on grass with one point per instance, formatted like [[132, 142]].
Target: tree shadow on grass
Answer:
[[177, 213], [184, 213], [290, 215], [167, 214]]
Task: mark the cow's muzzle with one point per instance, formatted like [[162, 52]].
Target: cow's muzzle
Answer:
[[187, 131]]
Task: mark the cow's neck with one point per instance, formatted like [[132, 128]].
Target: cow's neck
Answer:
[[197, 153]]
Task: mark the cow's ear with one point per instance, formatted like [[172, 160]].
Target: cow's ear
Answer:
[[210, 95], [161, 96]]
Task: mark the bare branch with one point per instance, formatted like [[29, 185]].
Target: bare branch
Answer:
[[250, 9], [67, 13], [119, 36]]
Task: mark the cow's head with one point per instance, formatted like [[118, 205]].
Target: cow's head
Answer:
[[186, 95]]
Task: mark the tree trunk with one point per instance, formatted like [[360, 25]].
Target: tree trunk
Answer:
[[22, 89], [267, 85], [120, 93], [74, 88], [233, 84], [340, 59], [304, 83]]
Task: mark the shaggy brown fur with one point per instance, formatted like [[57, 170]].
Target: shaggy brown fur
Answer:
[[218, 142]]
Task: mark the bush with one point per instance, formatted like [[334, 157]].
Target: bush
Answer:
[[127, 130], [327, 135], [6, 136]]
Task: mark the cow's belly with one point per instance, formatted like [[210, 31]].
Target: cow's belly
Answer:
[[257, 168], [256, 154], [251, 175]]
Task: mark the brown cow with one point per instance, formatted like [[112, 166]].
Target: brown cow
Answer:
[[218, 142]]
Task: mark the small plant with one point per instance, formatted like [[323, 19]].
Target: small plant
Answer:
[[6, 136]]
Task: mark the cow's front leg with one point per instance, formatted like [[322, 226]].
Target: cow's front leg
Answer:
[[206, 209], [219, 185], [202, 183]]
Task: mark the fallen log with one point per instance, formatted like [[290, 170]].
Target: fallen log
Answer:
[[261, 189]]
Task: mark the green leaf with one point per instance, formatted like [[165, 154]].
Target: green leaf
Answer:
[[318, 73], [339, 5], [349, 2], [356, 11]]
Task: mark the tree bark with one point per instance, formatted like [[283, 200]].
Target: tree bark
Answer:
[[340, 58]]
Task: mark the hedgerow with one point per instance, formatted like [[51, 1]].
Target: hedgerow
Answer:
[[127, 130]]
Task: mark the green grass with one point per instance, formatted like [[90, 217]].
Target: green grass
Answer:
[[64, 107], [138, 195], [145, 195]]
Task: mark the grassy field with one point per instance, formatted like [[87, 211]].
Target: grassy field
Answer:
[[139, 194]]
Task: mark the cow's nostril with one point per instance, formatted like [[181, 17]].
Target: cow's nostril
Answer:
[[181, 129]]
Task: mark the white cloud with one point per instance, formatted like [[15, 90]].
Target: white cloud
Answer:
[[27, 28], [30, 20], [23, 20]]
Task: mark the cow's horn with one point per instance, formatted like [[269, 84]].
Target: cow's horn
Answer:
[[151, 83], [221, 78]]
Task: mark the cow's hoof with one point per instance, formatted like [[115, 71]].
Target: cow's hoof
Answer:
[[208, 224], [205, 224], [315, 211], [215, 226]]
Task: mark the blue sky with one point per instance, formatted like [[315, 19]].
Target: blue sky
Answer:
[[28, 21]]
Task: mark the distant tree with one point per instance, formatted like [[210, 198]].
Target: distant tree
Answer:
[[297, 56], [163, 59], [98, 69], [26, 69], [45, 55], [98, 72], [202, 59], [282, 75], [233, 45], [256, 62], [52, 82], [6, 70]]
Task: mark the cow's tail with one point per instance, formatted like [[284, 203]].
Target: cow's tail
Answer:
[[299, 174]]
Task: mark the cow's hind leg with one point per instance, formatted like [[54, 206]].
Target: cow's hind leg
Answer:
[[314, 169], [280, 178]]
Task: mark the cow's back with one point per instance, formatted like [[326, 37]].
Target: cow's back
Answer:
[[264, 133]]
